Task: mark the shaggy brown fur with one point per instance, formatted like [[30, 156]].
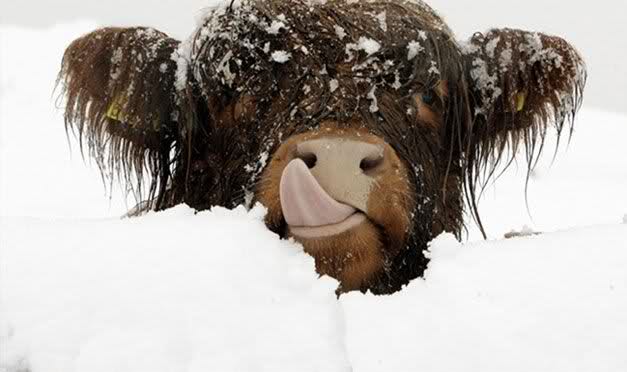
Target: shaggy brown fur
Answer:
[[205, 117]]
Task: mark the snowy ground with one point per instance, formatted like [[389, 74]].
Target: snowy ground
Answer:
[[81, 290], [111, 295]]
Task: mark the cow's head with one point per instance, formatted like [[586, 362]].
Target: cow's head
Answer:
[[361, 126]]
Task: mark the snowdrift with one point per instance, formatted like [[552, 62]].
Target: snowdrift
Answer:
[[168, 292], [216, 291]]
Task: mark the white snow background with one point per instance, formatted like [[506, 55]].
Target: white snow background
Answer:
[[82, 290]]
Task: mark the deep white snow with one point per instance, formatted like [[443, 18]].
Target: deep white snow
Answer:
[[167, 292], [83, 291], [555, 302]]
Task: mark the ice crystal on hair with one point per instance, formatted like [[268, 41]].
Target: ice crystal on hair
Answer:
[[147, 33], [534, 47], [117, 55], [280, 56], [434, 68], [255, 168], [486, 83], [249, 196], [181, 58], [381, 18], [275, 27], [374, 103], [468, 48], [413, 48], [369, 45], [505, 60], [225, 68], [397, 81], [116, 58], [339, 31], [333, 85], [175, 115], [491, 46], [349, 49]]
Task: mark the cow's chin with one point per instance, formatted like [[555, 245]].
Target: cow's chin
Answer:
[[350, 251]]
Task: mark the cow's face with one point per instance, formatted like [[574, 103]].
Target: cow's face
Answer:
[[360, 125], [352, 191], [347, 194], [368, 116], [352, 126]]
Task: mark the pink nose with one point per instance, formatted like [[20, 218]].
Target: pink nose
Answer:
[[304, 201]]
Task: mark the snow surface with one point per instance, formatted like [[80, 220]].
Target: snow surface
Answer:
[[82, 290], [111, 295], [555, 302]]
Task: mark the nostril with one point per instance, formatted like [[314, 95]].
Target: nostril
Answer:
[[371, 163], [309, 158]]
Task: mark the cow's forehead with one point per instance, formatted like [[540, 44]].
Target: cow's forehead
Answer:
[[239, 46], [345, 17]]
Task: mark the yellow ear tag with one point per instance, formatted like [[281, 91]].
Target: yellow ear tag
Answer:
[[114, 112], [521, 97]]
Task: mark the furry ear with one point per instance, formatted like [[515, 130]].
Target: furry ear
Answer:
[[520, 84], [119, 84]]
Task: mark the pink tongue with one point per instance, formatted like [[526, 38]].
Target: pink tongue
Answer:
[[305, 203]]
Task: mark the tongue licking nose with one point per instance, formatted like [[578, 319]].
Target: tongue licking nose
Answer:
[[304, 201]]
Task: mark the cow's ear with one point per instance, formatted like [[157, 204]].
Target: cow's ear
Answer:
[[520, 84], [121, 99]]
